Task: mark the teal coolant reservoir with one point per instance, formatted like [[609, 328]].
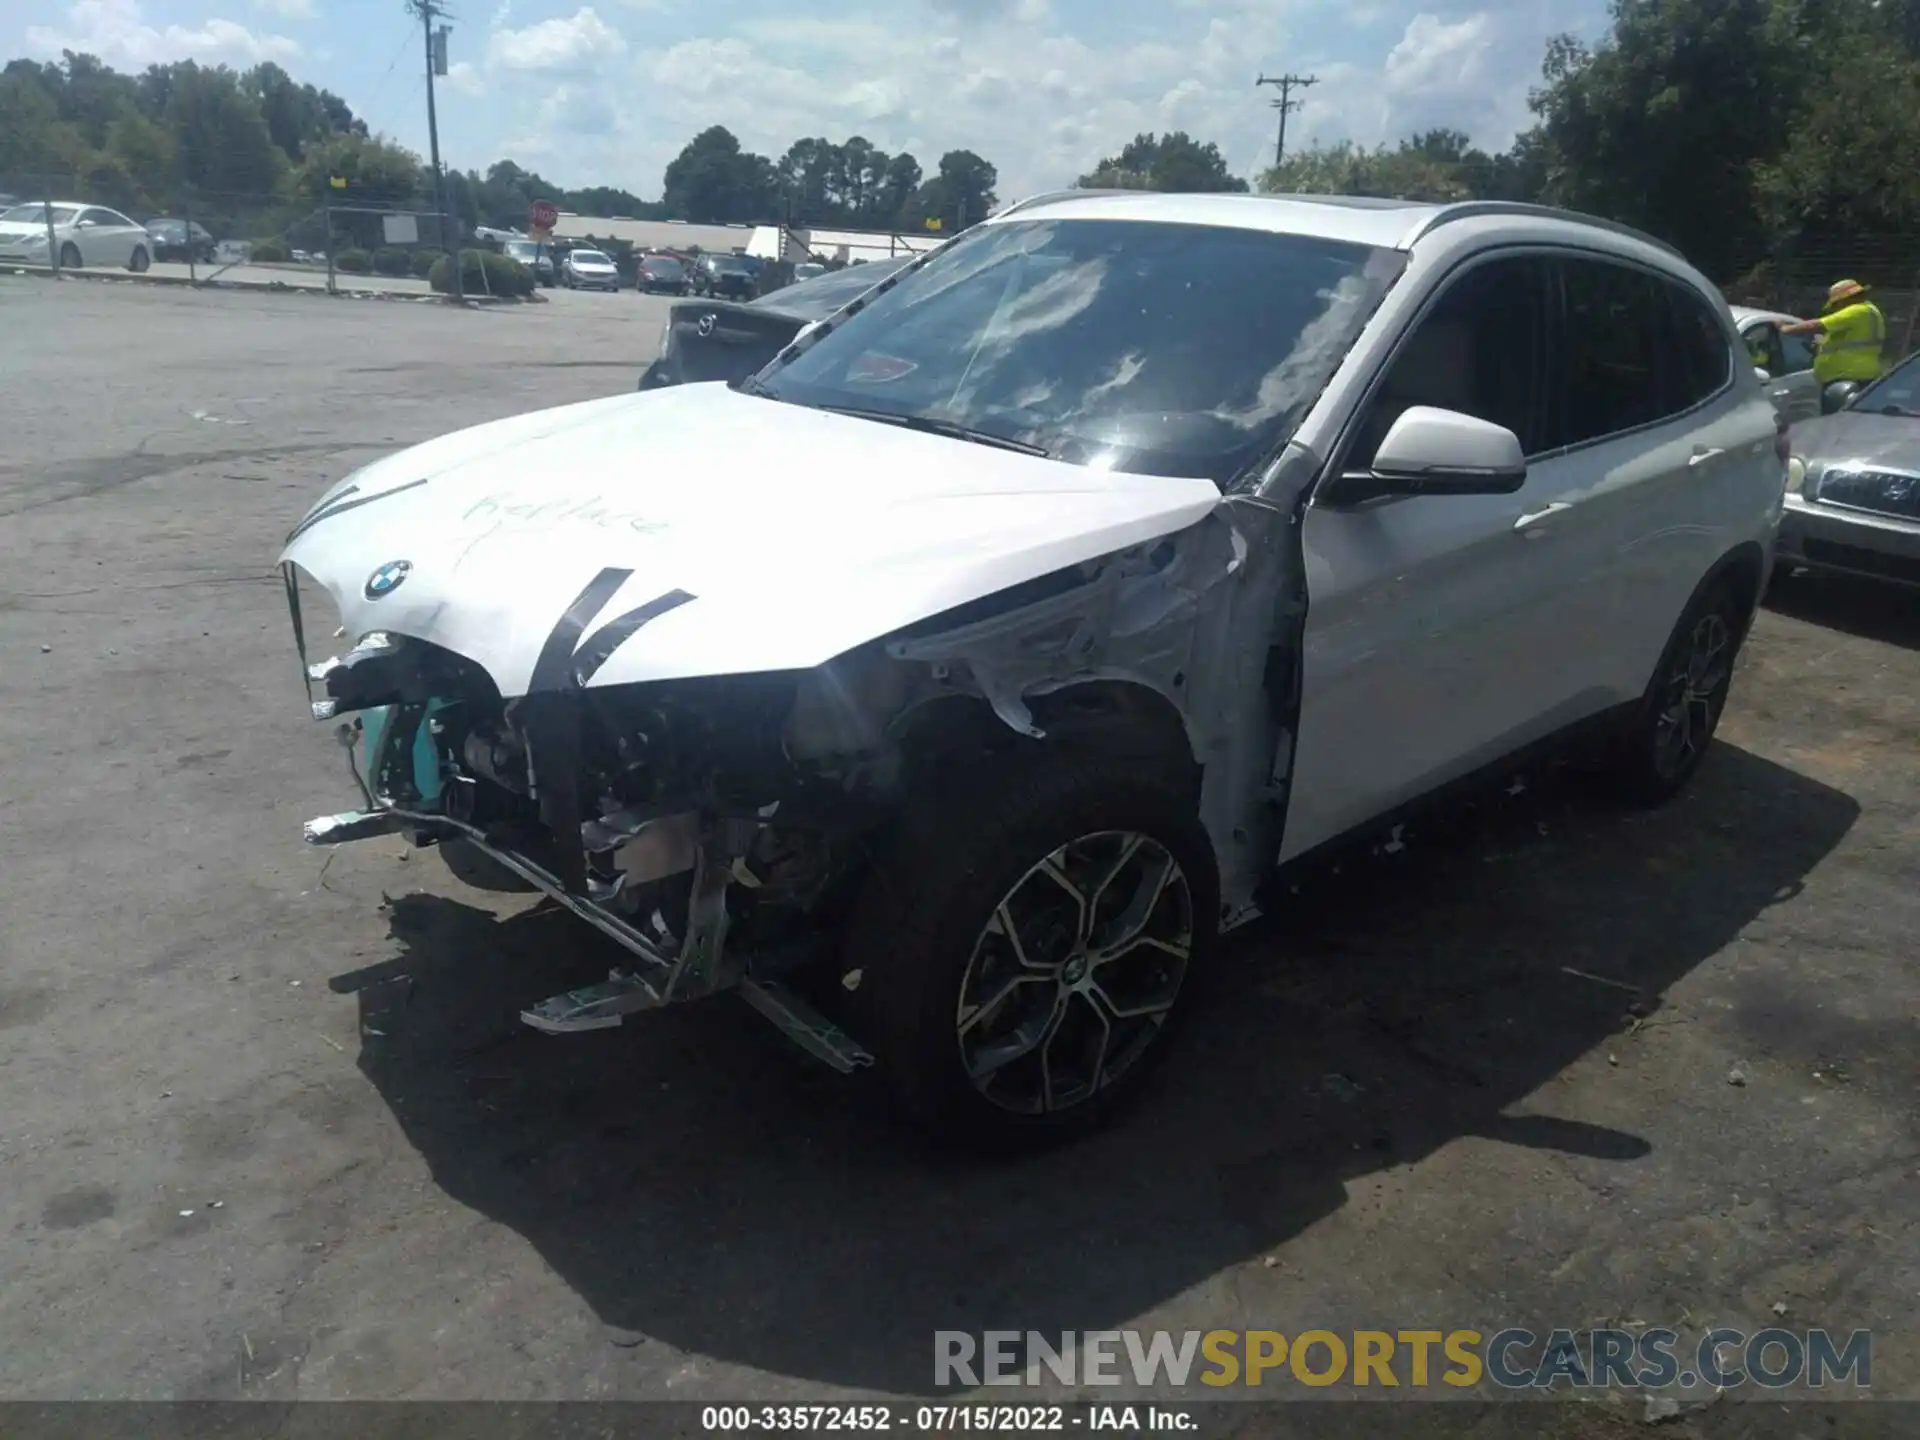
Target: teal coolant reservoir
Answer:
[[427, 779]]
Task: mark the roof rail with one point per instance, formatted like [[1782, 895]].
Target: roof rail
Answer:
[[1473, 209], [1047, 197]]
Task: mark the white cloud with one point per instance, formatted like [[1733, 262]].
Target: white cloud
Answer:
[[287, 9], [117, 32], [464, 79], [1041, 97], [580, 44]]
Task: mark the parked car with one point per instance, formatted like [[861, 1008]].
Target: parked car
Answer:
[[536, 256], [1853, 484], [589, 270], [949, 687], [170, 241], [661, 275], [1786, 361], [82, 235], [725, 277], [709, 340]]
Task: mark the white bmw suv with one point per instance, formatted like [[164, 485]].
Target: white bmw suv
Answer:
[[948, 688]]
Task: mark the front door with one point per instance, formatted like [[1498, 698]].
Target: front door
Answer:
[[1436, 631], [1789, 366]]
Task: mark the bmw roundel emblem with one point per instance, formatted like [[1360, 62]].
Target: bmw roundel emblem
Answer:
[[388, 578]]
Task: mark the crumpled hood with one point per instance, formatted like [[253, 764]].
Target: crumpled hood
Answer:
[[1876, 440], [755, 535]]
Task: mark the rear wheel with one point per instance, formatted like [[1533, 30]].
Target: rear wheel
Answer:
[[1027, 951], [1667, 737]]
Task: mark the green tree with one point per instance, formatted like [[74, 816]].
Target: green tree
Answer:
[[960, 195], [224, 145], [1663, 123], [714, 181], [1175, 162], [1851, 160]]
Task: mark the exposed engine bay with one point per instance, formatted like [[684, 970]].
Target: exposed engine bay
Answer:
[[718, 826]]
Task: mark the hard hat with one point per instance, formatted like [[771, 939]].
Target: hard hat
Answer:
[[1843, 290]]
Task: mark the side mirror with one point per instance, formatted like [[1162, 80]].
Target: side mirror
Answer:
[[804, 331], [1762, 374], [1428, 451], [1837, 396]]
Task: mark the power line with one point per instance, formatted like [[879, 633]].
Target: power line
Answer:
[[1285, 104]]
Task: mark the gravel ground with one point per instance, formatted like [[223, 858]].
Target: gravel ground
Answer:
[[274, 1131]]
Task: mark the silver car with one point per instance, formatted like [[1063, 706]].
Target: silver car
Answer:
[[1853, 484], [1785, 362]]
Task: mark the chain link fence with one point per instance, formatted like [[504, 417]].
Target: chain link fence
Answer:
[[1795, 279], [110, 222]]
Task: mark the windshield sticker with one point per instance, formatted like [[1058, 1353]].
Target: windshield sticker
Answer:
[[874, 368]]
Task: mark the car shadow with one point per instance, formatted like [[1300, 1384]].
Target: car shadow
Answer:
[[697, 1182], [1866, 608]]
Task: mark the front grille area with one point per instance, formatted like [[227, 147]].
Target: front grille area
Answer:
[[1862, 562], [1882, 492]]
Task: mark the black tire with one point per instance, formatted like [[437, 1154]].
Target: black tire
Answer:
[[69, 256], [139, 260], [951, 866], [1656, 754]]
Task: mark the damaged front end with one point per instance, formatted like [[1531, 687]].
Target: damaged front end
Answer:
[[719, 827]]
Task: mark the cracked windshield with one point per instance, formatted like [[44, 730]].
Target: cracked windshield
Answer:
[[960, 716]]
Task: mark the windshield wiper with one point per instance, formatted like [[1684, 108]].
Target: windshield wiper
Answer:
[[1897, 410], [951, 429]]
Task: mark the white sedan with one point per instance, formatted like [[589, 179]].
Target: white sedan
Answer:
[[81, 235]]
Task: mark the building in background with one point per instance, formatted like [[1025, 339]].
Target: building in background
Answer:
[[798, 245]]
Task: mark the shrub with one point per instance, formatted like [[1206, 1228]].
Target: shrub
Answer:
[[272, 250], [391, 260], [424, 260], [482, 273], [354, 262]]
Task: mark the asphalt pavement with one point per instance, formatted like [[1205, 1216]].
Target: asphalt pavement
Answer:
[[273, 1129]]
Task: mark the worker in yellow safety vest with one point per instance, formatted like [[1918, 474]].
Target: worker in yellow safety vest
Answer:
[[1852, 331]]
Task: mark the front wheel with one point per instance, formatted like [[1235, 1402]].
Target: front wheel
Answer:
[[69, 256], [1667, 736], [1027, 950]]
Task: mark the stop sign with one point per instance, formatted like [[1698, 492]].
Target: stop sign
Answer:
[[545, 215]]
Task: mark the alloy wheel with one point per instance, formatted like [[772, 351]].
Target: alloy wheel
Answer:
[[1692, 692], [1075, 972]]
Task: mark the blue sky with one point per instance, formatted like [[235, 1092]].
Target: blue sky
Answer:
[[608, 91]]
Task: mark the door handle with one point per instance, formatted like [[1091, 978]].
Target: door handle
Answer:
[[1530, 523], [1703, 453]]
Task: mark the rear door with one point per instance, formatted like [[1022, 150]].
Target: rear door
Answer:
[[1661, 435]]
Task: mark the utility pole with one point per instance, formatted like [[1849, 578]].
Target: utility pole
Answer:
[[1286, 103], [436, 51]]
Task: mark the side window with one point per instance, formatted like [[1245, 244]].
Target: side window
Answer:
[[1697, 349], [1616, 319], [1763, 347], [1796, 354], [93, 216], [1480, 350], [114, 218]]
